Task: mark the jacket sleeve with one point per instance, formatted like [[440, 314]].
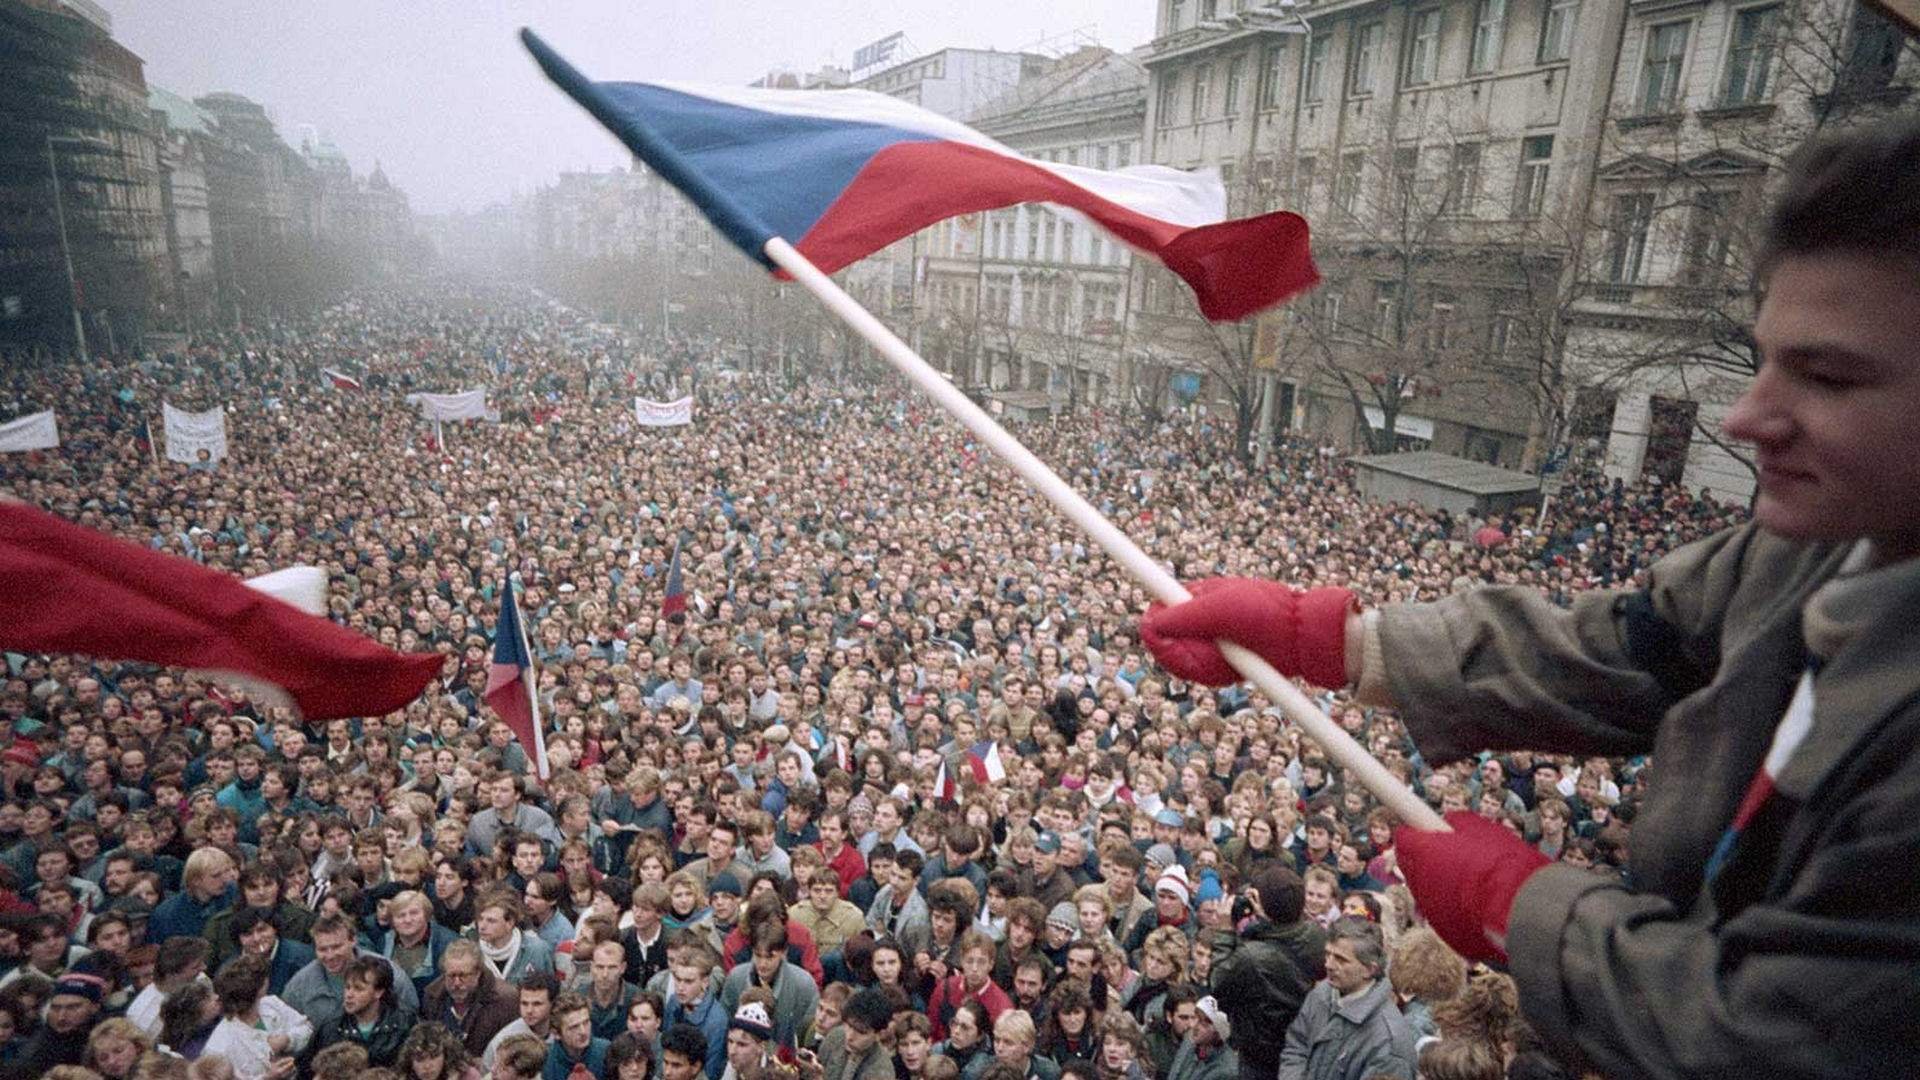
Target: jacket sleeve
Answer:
[[1816, 982], [1293, 1056], [1504, 668]]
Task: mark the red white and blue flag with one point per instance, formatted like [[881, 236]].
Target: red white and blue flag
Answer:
[[674, 604], [340, 380], [840, 174], [512, 691], [988, 769]]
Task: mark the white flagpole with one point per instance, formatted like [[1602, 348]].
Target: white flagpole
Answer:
[[533, 692], [1337, 744]]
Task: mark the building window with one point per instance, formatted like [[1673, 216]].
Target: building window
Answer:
[[1202, 91], [1749, 56], [1317, 53], [1873, 53], [1066, 240], [1556, 30], [1033, 236], [1710, 225], [1530, 192], [1346, 186], [1406, 176], [1236, 75], [1628, 222], [1175, 8], [1303, 177], [1440, 327], [1329, 313], [1271, 76], [1169, 96], [1660, 68], [1463, 179], [1386, 307], [1500, 334], [1360, 61], [1489, 31], [1123, 155], [1100, 156], [1669, 435], [1423, 56]]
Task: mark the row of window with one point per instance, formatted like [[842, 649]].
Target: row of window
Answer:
[[1047, 237], [1194, 87], [1043, 304], [1117, 155], [1462, 186]]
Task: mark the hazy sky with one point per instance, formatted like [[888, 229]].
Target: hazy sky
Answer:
[[442, 94]]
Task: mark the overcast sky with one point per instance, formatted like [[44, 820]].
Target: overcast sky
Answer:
[[442, 94]]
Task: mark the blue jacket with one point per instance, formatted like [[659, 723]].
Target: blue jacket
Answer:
[[438, 938], [559, 1066], [180, 915], [711, 1017], [290, 957]]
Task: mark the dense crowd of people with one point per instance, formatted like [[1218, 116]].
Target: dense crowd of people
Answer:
[[900, 796]]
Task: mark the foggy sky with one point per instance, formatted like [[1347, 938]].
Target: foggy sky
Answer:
[[444, 97]]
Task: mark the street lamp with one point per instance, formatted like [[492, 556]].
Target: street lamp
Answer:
[[66, 253]]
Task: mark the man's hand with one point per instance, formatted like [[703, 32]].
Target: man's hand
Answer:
[[1300, 633], [1465, 881]]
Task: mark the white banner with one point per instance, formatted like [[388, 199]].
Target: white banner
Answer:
[[35, 432], [189, 433], [663, 413], [466, 405]]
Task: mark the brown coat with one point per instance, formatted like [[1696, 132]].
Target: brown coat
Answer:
[[1799, 959], [496, 1004]]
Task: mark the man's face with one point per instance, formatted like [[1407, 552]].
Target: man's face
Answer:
[[334, 950], [1345, 973], [260, 940], [410, 921], [505, 795], [609, 963], [1182, 1018], [719, 848], [860, 1038], [743, 1050], [535, 1005], [977, 967], [358, 996], [767, 964], [1319, 896], [677, 1066], [1830, 412], [576, 1030], [70, 1014], [528, 858], [1027, 984], [726, 906]]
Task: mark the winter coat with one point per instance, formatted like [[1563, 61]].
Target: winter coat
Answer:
[[382, 1042], [1221, 1063], [1813, 923], [494, 1005], [1356, 1040], [1262, 982]]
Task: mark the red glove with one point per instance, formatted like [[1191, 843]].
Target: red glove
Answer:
[[1300, 633], [1464, 881]]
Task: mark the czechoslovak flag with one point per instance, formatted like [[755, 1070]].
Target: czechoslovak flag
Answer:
[[70, 589], [673, 606], [511, 690], [987, 768], [340, 380], [840, 174]]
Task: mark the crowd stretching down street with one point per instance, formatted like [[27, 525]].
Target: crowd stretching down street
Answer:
[[901, 795]]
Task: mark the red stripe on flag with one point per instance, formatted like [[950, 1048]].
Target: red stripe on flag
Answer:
[[73, 590]]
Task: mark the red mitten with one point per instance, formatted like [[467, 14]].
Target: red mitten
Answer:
[[1464, 881], [1301, 634]]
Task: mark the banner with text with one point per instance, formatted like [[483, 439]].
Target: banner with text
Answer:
[[663, 413], [466, 405], [189, 433], [35, 432]]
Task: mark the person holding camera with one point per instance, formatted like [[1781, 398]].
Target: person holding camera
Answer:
[[1275, 959]]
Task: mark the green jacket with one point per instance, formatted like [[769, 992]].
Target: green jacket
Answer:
[[1221, 1063], [1799, 960]]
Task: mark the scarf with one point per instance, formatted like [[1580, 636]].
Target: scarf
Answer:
[[499, 959]]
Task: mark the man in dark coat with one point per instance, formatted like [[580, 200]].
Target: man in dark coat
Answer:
[[468, 999], [1273, 964]]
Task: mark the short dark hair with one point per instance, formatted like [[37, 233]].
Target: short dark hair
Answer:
[[687, 1041], [1856, 190]]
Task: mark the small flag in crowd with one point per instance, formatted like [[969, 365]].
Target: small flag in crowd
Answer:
[[840, 174], [340, 380], [944, 789], [70, 589], [674, 605], [512, 691], [987, 767]]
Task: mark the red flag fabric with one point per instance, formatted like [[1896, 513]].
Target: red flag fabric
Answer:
[[69, 589]]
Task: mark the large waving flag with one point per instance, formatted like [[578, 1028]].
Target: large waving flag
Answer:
[[511, 690], [70, 589], [840, 174]]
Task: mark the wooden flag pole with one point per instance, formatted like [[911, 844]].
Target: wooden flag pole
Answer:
[[1337, 744]]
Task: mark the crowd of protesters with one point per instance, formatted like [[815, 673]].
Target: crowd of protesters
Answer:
[[900, 796]]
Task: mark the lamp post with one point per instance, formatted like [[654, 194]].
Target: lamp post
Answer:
[[66, 253]]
